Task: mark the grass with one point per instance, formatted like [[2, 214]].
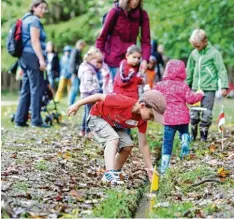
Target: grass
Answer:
[[42, 165], [175, 209], [119, 204], [20, 186]]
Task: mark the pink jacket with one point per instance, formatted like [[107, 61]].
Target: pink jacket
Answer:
[[124, 34], [177, 94]]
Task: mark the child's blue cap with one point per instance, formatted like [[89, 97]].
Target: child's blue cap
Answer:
[[67, 48]]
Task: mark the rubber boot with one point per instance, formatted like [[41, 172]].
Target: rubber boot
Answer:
[[164, 163], [204, 134], [185, 145], [194, 132]]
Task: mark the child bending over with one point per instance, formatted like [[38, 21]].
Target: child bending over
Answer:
[[108, 118]]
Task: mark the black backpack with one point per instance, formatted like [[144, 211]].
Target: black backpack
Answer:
[[14, 39]]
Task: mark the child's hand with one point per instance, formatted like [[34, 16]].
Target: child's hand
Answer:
[[200, 92], [150, 172], [146, 87], [224, 92], [72, 110]]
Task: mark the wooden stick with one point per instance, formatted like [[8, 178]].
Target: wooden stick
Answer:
[[204, 181], [222, 138]]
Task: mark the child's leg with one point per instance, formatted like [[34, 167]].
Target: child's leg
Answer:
[[206, 118], [83, 124], [59, 93], [87, 110], [68, 83], [124, 149], [110, 153], [168, 138], [105, 134], [195, 119], [185, 138], [169, 134]]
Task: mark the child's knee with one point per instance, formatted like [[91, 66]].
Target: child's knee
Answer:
[[127, 149]]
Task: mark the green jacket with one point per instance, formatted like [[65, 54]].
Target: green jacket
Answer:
[[205, 68]]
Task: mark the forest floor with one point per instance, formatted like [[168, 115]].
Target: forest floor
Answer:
[[50, 173]]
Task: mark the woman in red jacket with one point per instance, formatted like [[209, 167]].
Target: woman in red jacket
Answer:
[[120, 30]]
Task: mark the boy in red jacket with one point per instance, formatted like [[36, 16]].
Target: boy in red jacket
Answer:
[[127, 79], [110, 115]]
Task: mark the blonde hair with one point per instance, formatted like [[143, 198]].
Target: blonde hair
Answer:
[[79, 43], [124, 4], [93, 53], [198, 36]]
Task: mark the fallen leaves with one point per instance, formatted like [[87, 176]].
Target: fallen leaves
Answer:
[[222, 172]]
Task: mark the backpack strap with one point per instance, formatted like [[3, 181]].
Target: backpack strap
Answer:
[[27, 40], [115, 18]]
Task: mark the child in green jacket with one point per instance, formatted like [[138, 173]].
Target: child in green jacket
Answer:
[[204, 68]]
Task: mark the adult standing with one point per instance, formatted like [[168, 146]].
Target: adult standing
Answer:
[[121, 28], [33, 64], [75, 61]]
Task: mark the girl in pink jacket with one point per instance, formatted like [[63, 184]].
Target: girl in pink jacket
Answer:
[[176, 116]]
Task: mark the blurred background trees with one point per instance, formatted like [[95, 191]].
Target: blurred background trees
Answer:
[[171, 23]]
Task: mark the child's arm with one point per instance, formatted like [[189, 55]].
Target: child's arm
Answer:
[[144, 149], [91, 99], [222, 72], [192, 97], [189, 71]]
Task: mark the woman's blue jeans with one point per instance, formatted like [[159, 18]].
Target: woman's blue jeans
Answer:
[[31, 91], [113, 72]]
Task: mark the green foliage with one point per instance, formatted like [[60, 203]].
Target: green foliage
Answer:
[[171, 23]]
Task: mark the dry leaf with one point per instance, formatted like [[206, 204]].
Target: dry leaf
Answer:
[[212, 148], [222, 172]]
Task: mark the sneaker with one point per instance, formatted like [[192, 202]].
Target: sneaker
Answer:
[[21, 125], [43, 125], [110, 177], [121, 175], [89, 135], [82, 133]]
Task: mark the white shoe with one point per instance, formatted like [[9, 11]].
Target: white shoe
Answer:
[[110, 177]]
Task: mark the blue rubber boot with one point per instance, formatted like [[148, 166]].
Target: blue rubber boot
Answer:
[[185, 145], [164, 163]]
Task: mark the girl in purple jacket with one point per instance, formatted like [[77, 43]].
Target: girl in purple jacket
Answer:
[[120, 30], [176, 115]]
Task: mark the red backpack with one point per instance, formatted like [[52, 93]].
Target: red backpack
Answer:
[[14, 39]]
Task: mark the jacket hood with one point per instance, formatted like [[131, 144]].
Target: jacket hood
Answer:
[[175, 70]]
